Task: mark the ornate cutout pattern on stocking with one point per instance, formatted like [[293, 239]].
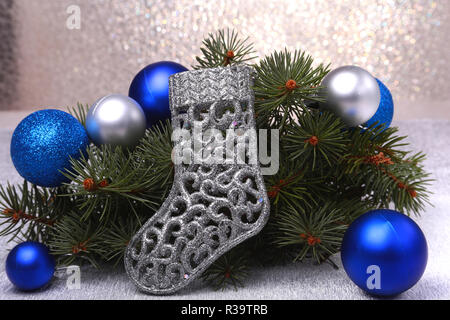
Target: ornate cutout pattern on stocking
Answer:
[[211, 207]]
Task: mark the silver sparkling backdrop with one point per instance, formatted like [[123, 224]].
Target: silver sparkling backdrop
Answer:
[[404, 43]]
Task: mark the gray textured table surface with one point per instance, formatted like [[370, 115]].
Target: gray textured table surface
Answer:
[[295, 281]]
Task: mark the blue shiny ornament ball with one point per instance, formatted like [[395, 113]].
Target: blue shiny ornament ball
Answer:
[[384, 252], [30, 266], [43, 143], [150, 88], [385, 111]]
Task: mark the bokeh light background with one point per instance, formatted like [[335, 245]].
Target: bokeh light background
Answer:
[[405, 43]]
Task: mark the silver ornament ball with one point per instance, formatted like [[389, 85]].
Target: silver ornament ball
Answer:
[[352, 93], [116, 120]]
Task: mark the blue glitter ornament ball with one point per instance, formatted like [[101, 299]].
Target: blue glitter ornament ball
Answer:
[[30, 266], [150, 88], [43, 143], [384, 252], [385, 111]]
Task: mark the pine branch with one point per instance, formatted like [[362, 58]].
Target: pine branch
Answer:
[[80, 112], [317, 141], [224, 48], [155, 151], [107, 176], [376, 161], [73, 240], [28, 212], [118, 235], [231, 269], [291, 185], [284, 82], [316, 234]]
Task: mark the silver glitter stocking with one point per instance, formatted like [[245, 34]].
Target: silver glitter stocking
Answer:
[[213, 206]]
